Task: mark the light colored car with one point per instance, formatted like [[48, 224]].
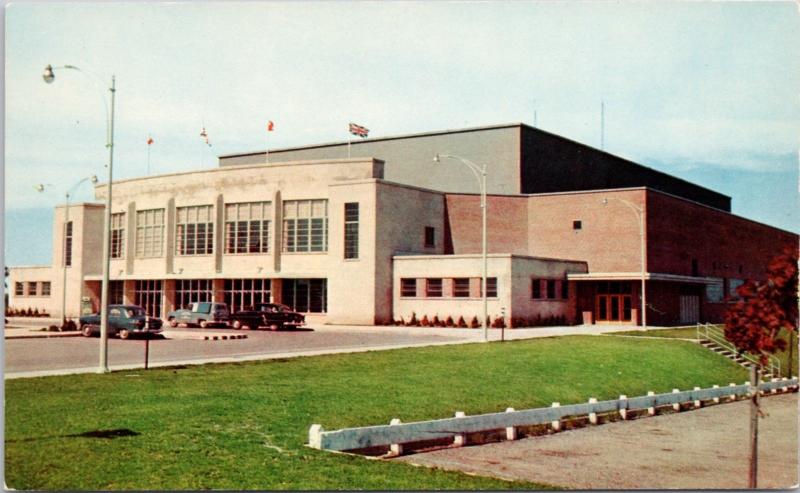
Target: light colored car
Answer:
[[204, 314]]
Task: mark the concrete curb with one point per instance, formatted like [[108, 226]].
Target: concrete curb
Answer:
[[43, 335]]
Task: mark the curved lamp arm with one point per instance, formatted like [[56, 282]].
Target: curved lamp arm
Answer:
[[49, 76]]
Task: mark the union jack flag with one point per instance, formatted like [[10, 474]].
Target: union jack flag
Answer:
[[359, 130]]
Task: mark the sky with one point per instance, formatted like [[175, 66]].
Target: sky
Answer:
[[704, 91]]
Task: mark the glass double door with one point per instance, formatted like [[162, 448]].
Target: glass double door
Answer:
[[613, 308]]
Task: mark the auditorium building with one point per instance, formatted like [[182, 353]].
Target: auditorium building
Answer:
[[375, 231]]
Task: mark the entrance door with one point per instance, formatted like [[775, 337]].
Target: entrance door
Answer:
[[613, 308], [690, 309]]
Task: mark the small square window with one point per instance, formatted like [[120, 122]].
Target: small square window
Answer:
[[551, 289], [430, 237], [576, 225], [433, 288], [461, 287], [491, 282], [536, 289], [408, 288], [564, 289], [18, 289]]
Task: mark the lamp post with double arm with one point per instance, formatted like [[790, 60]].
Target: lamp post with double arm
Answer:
[[480, 175], [49, 77], [639, 211]]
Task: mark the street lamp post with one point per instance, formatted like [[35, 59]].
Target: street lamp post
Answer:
[[639, 211], [49, 77], [480, 175], [41, 188]]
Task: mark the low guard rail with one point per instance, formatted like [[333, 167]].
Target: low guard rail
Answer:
[[717, 336], [399, 433]]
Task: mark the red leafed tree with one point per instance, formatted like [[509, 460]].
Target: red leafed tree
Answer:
[[766, 307]]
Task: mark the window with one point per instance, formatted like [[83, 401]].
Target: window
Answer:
[[564, 289], [351, 230], [576, 225], [247, 227], [408, 288], [733, 285], [614, 287], [536, 289], [46, 288], [194, 230], [188, 291], [433, 288], [242, 293], [18, 289], [461, 287], [32, 288], [149, 233], [430, 237], [551, 289], [305, 226], [492, 283], [68, 244], [116, 292], [117, 235], [147, 294], [306, 295]]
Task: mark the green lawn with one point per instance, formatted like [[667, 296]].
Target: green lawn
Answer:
[[243, 426]]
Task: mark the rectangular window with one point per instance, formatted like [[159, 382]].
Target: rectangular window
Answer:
[[241, 294], [194, 230], [188, 291], [551, 289], [247, 227], [408, 288], [491, 282], [430, 237], [433, 288], [576, 225], [461, 287], [147, 294], [536, 289], [150, 233], [116, 292], [33, 288], [305, 226], [18, 289], [564, 289], [117, 235], [46, 288], [68, 244], [351, 230], [306, 295]]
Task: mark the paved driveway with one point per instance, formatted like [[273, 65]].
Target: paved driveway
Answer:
[[706, 448]]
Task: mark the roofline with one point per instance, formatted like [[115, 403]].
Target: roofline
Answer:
[[379, 139], [450, 256]]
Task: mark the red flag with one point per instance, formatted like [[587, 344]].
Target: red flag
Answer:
[[270, 126], [149, 140], [204, 135]]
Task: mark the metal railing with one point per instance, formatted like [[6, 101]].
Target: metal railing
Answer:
[[716, 335]]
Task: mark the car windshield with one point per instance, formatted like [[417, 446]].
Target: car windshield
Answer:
[[135, 312], [204, 307]]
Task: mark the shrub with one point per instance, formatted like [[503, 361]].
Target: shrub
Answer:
[[517, 322], [436, 322], [69, 325], [53, 328], [413, 322], [400, 322], [474, 324], [499, 323], [449, 322], [35, 312], [425, 322]]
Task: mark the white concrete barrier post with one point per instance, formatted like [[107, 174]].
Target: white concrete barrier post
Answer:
[[774, 390], [623, 406], [716, 399], [556, 424], [461, 439], [651, 411], [697, 401], [511, 432], [593, 415], [315, 436], [732, 396], [677, 405], [395, 449]]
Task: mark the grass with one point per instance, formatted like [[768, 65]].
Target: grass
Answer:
[[243, 426]]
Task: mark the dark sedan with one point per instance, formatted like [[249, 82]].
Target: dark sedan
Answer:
[[123, 321], [272, 315]]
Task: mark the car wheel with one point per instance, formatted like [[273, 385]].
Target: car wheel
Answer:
[[274, 327], [245, 327], [173, 323], [203, 324], [123, 334], [236, 324], [86, 330]]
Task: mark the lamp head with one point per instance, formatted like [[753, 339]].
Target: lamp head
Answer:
[[605, 201], [48, 74], [436, 159], [94, 179], [40, 187]]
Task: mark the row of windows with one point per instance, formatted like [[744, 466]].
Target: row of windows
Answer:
[[549, 289], [459, 287], [32, 288]]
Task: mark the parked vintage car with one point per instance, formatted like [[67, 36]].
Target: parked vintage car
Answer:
[[123, 321], [272, 315], [203, 314]]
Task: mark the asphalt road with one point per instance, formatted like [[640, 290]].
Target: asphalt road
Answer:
[[698, 449], [34, 356]]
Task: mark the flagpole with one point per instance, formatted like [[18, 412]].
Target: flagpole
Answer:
[[148, 159]]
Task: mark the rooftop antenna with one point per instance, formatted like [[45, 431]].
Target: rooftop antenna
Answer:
[[602, 125], [534, 114]]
